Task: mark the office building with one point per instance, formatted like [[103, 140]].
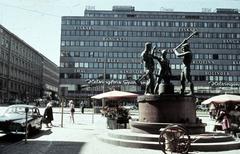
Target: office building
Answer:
[[101, 50]]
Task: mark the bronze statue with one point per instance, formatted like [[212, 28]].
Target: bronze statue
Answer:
[[148, 62], [164, 71], [187, 60]]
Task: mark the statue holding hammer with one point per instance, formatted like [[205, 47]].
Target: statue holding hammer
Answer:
[[186, 54]]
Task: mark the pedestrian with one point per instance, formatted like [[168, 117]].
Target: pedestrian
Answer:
[[82, 107], [48, 115], [212, 111], [226, 123], [72, 110]]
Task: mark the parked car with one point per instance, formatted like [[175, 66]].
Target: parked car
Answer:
[[14, 101], [130, 107], [202, 107], [13, 120]]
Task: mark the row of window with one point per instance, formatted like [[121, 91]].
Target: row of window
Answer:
[[101, 65], [224, 78], [141, 44], [142, 23], [20, 74], [136, 76], [21, 50], [211, 67], [111, 33], [139, 66], [98, 76], [3, 55], [160, 15], [25, 52], [20, 88], [99, 54]]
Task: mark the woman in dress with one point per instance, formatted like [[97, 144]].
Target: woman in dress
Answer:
[[72, 110], [48, 114]]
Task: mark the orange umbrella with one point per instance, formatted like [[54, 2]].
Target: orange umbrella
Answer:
[[115, 95], [223, 99]]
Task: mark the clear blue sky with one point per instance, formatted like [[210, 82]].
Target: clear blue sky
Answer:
[[38, 22]]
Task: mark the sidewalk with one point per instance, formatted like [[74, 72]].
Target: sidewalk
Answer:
[[79, 138], [56, 140]]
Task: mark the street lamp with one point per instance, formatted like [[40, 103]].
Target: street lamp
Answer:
[[104, 72]]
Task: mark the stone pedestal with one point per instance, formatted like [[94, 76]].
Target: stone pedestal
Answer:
[[158, 111], [169, 108], [165, 89]]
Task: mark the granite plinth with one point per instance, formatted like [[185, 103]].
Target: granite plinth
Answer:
[[158, 111], [155, 128], [168, 108]]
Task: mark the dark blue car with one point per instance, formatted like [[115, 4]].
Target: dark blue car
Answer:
[[13, 120]]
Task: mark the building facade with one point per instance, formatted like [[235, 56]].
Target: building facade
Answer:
[[50, 79], [22, 70], [101, 50]]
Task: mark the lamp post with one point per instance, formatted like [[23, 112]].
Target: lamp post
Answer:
[[104, 72], [62, 98], [26, 127]]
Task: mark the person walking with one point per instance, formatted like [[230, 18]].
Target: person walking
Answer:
[[72, 110], [226, 123], [48, 115], [82, 107]]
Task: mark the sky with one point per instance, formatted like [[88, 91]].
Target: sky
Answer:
[[38, 22]]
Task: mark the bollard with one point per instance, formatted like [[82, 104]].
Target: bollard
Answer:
[[62, 100], [26, 128]]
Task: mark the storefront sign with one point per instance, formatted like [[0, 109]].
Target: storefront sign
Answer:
[[187, 29], [236, 62], [231, 41], [114, 39], [216, 73], [223, 84], [110, 82], [108, 60], [131, 71], [83, 28], [203, 62]]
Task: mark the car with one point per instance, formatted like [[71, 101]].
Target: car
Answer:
[[13, 120], [130, 107], [15, 101], [202, 107]]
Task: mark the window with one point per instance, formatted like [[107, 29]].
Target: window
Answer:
[[215, 56], [76, 54], [76, 64]]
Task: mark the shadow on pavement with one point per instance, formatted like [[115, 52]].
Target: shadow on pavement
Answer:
[[44, 147], [10, 138], [41, 133]]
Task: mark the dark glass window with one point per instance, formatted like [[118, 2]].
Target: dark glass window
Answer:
[[215, 56], [107, 76], [61, 75]]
